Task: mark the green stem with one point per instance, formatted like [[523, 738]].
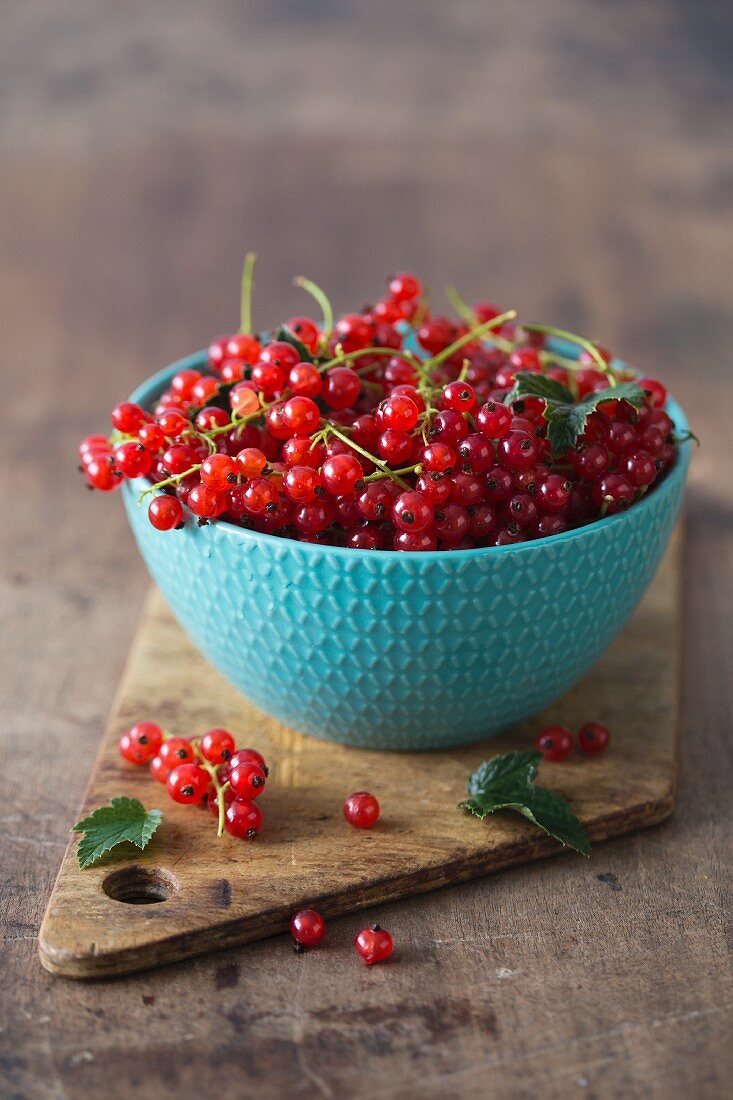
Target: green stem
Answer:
[[587, 345], [366, 454], [245, 302], [175, 480], [348, 357], [380, 475], [220, 788], [474, 334], [321, 297]]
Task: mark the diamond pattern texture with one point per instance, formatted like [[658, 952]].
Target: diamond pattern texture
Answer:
[[406, 651]]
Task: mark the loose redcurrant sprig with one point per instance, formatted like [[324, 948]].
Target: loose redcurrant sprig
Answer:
[[205, 770]]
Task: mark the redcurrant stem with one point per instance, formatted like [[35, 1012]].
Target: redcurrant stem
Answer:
[[218, 787], [379, 475], [245, 302], [587, 345], [348, 357], [464, 370], [320, 296], [367, 454], [468, 315], [474, 334], [175, 480]]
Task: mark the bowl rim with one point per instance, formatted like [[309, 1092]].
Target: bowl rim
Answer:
[[144, 393]]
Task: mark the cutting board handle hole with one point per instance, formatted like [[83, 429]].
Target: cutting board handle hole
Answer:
[[140, 885]]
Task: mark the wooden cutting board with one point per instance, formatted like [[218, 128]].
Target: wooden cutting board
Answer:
[[190, 892]]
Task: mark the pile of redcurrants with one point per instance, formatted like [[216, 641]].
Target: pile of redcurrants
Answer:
[[392, 429]]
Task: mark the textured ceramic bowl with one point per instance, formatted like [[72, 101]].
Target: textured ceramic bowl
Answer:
[[405, 651]]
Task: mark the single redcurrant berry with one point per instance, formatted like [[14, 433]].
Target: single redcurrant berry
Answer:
[[342, 388], [247, 779], [613, 493], [657, 392], [128, 417], [243, 400], [218, 472], [301, 415], [361, 810], [306, 330], [152, 437], [302, 484], [102, 473], [159, 769], [518, 450], [493, 420], [304, 380], [476, 453], [340, 474], [206, 503], [248, 756], [243, 346], [459, 396], [415, 541], [373, 944], [217, 746], [639, 467], [438, 458], [404, 287], [133, 459], [307, 928], [175, 751], [251, 461], [259, 495], [398, 412], [141, 742], [243, 818], [553, 493], [593, 738], [452, 523], [172, 423], [394, 447], [555, 743], [412, 512], [187, 783]]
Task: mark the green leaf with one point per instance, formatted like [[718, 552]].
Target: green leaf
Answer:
[[507, 783], [527, 384], [287, 336], [125, 819], [565, 423]]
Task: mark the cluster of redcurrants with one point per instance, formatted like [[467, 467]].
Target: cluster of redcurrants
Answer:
[[556, 742], [205, 771], [391, 429], [308, 928]]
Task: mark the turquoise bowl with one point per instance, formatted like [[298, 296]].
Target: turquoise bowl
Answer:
[[389, 650]]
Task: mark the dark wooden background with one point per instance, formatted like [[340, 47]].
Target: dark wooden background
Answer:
[[569, 158]]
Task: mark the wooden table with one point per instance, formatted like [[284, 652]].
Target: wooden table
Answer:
[[569, 160]]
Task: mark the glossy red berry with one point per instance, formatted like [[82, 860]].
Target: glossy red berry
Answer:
[[307, 331], [412, 512], [404, 287], [304, 380], [205, 502], [517, 450], [593, 738], [128, 417], [373, 944], [219, 472], [242, 346], [141, 742], [459, 396], [248, 756], [438, 458], [301, 416], [657, 392], [342, 388], [493, 420], [102, 473], [555, 743], [398, 412], [187, 783], [340, 474], [175, 751], [243, 818], [247, 779], [165, 512], [307, 928], [159, 769], [613, 493], [217, 746], [302, 484], [361, 810], [250, 461]]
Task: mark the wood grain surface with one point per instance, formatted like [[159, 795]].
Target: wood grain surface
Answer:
[[210, 893], [569, 157]]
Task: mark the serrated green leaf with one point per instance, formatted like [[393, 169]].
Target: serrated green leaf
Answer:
[[566, 423], [510, 768], [125, 819], [506, 783], [288, 337], [527, 384]]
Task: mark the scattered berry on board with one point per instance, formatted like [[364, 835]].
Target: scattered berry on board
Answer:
[[555, 743], [307, 928], [361, 810], [593, 738], [392, 429], [374, 944]]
